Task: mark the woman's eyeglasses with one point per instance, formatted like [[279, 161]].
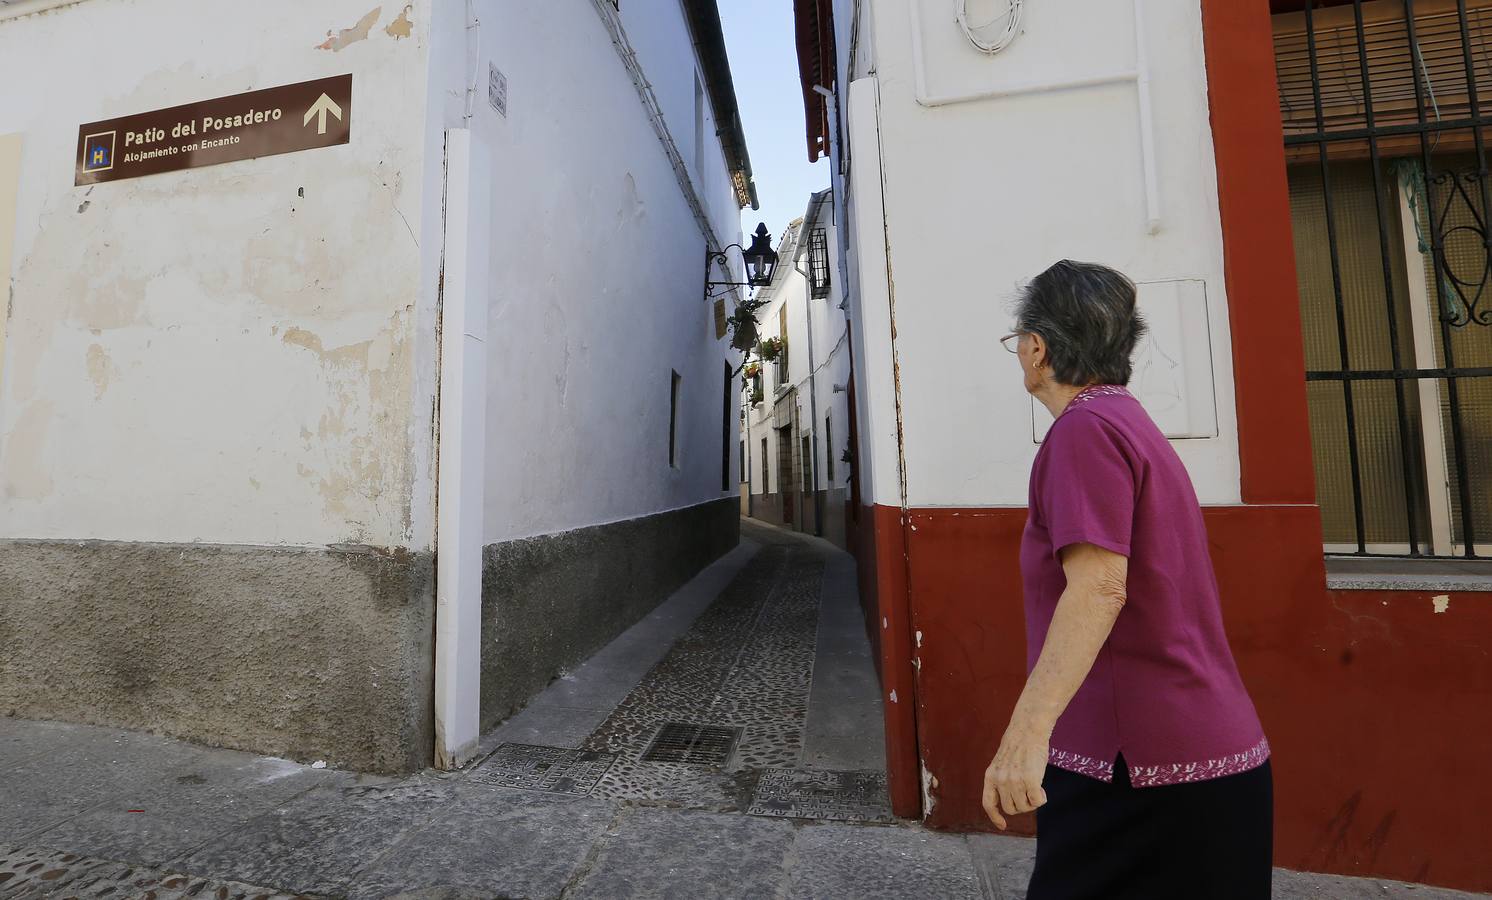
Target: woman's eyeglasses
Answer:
[[1011, 342]]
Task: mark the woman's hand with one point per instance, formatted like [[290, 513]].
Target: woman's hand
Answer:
[[1085, 614], [1012, 783]]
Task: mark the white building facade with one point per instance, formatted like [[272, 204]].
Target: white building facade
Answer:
[[796, 430], [344, 453]]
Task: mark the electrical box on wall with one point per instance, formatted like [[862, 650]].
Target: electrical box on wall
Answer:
[[1173, 375]]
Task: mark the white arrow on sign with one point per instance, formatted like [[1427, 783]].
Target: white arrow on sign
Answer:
[[319, 109]]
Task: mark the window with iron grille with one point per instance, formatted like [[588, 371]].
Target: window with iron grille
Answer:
[[725, 438], [1385, 106], [805, 455], [673, 420], [818, 264], [829, 449], [766, 470], [783, 372]]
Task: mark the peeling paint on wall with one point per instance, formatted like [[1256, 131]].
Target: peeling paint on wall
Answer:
[[99, 369], [166, 359], [1442, 603], [364, 376], [401, 27], [929, 782], [340, 40]]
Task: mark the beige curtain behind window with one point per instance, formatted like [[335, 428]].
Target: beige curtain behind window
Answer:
[[1366, 309]]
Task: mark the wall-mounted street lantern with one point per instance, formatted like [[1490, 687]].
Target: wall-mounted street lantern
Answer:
[[760, 259]]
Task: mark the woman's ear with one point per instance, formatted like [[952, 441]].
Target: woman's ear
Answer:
[[1038, 351]]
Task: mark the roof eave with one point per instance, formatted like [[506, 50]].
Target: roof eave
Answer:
[[709, 44]]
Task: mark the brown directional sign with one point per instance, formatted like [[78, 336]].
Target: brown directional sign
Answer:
[[226, 129]]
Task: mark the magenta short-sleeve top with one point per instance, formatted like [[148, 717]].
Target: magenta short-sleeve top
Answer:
[[1164, 691]]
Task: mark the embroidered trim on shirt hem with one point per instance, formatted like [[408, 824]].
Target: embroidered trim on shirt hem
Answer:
[[1169, 773], [1082, 765], [1183, 773]]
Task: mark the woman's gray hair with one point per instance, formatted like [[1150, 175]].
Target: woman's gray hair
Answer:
[[1086, 314]]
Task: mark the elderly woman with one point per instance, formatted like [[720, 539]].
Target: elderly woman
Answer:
[[1134, 738]]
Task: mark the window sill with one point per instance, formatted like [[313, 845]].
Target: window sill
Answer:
[[1438, 575]]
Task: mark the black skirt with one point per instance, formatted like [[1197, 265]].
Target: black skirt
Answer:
[[1208, 840]]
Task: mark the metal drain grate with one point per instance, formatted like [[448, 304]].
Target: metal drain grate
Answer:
[[703, 745], [558, 770], [828, 795]]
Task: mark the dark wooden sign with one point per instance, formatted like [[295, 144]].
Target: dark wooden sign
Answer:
[[227, 129]]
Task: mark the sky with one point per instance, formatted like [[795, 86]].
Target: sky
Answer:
[[764, 67]]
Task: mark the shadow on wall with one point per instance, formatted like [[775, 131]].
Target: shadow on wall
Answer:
[[550, 602]]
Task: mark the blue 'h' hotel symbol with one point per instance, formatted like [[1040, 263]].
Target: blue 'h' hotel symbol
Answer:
[[98, 152]]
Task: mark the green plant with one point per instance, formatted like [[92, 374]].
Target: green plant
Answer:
[[742, 324], [770, 349], [757, 395]]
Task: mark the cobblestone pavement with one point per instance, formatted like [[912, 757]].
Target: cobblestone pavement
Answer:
[[562, 807], [41, 873]]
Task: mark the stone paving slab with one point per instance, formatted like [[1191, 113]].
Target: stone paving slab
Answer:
[[91, 767], [1002, 864], [27, 874], [549, 725], [320, 840], [22, 741], [869, 863], [660, 853], [492, 843], [845, 727], [159, 819]]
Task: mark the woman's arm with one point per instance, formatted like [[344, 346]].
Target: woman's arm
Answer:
[[1085, 615]]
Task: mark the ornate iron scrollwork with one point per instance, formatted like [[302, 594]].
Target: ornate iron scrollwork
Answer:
[[1457, 191]]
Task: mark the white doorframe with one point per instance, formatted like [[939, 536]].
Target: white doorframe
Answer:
[[1432, 431]]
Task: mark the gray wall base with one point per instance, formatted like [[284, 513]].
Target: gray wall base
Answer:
[[550, 602], [305, 654]]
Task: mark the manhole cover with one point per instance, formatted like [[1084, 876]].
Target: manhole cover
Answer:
[[705, 745], [555, 769], [836, 796]]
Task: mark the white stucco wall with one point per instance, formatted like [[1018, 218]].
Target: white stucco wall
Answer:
[[597, 267], [830, 361], [981, 196], [659, 32], [209, 355]]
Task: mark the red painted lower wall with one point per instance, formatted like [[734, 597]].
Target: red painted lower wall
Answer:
[[878, 537], [1378, 708]]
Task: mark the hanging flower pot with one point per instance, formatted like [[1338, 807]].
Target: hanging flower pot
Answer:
[[770, 349], [744, 334], [753, 369]]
